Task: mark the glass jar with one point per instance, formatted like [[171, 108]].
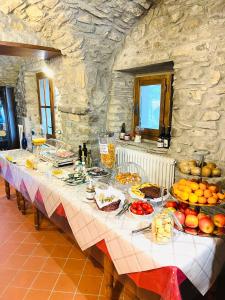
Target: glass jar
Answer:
[[162, 227], [107, 150]]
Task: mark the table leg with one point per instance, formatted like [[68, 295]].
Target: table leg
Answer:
[[37, 218], [7, 189], [108, 274], [23, 205], [18, 198]]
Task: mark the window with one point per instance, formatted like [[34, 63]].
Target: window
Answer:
[[152, 104], [46, 104]]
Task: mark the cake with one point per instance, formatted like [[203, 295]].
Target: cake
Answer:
[[152, 192]]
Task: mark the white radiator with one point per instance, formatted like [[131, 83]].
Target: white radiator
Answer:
[[158, 169]]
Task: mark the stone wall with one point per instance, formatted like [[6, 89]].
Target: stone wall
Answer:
[[12, 29], [88, 33], [191, 34]]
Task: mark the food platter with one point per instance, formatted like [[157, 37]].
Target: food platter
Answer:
[[96, 172], [135, 193]]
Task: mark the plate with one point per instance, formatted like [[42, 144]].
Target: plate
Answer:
[[195, 204], [153, 200]]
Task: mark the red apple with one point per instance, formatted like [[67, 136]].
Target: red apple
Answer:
[[191, 221], [219, 220], [202, 215], [171, 204], [191, 231], [183, 205], [219, 231], [206, 225], [189, 211], [180, 216]]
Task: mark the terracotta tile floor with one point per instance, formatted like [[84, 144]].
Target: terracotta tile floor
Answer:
[[42, 265]]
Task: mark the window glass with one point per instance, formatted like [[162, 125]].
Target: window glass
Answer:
[[43, 117], [49, 120], [47, 92], [150, 96], [42, 94]]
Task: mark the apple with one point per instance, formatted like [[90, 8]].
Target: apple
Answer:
[[191, 221], [219, 220], [191, 231], [171, 209], [171, 204], [202, 215], [189, 211], [206, 225], [183, 205], [219, 231], [180, 216]]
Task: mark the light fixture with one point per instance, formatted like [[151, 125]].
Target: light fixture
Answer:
[[48, 72]]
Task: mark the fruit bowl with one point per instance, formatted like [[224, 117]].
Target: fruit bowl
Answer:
[[197, 193], [201, 221], [141, 210]]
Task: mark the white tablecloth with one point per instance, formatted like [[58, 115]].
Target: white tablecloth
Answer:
[[199, 258]]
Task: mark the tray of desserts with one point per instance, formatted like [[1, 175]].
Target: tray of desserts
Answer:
[[148, 191], [198, 193]]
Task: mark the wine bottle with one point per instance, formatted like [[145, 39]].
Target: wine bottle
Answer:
[[167, 137], [85, 150], [80, 153], [160, 141], [123, 131], [24, 142]]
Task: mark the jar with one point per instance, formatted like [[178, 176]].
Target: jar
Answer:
[[127, 137], [162, 227], [90, 191], [107, 150]]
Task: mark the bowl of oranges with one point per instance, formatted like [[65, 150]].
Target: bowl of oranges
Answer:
[[198, 193]]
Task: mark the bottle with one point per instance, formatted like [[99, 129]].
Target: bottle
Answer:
[[80, 153], [160, 141], [85, 150], [24, 142], [166, 142], [89, 159], [123, 131]]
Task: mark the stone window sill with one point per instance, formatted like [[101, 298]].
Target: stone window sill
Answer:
[[149, 147]]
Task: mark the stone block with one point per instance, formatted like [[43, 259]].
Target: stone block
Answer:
[[211, 116]]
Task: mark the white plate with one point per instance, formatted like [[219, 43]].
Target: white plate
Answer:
[[153, 200]]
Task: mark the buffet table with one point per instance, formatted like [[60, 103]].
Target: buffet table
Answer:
[[158, 268]]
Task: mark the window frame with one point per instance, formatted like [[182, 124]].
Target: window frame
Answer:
[[165, 80], [40, 76]]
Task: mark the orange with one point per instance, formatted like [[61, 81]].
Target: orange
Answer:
[[211, 200], [202, 200], [184, 196], [215, 196], [194, 186], [199, 193], [187, 189], [220, 196], [193, 198], [188, 183], [202, 186], [182, 181], [207, 193], [213, 188]]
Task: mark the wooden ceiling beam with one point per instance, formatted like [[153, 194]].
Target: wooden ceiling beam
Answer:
[[28, 50]]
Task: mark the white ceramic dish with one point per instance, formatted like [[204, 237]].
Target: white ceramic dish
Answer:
[[142, 217]]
